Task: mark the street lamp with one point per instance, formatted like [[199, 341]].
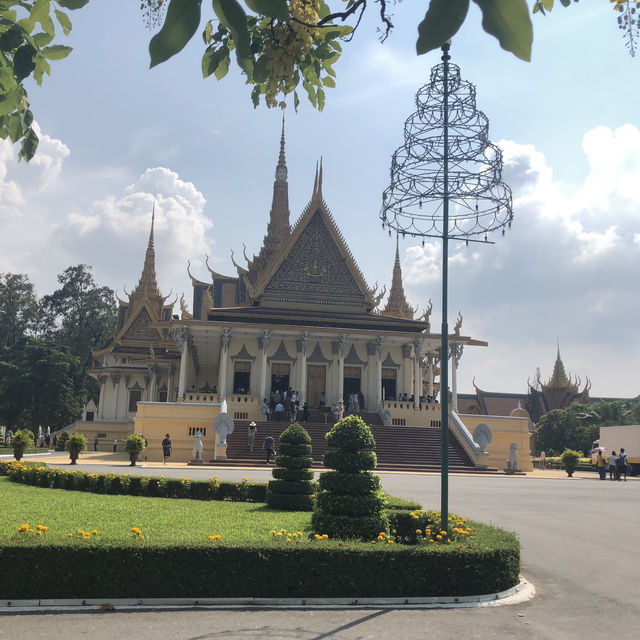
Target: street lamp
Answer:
[[446, 183]]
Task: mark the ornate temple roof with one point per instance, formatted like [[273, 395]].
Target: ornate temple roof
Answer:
[[148, 284], [559, 380], [397, 304]]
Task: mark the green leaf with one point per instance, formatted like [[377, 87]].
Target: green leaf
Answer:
[[296, 100], [14, 127], [272, 8], [321, 98], [509, 22], [64, 21], [233, 17], [215, 61], [255, 96], [10, 39], [180, 24], [72, 4], [328, 81], [441, 22], [47, 25], [260, 72], [11, 100], [29, 145], [23, 63], [42, 39], [56, 52]]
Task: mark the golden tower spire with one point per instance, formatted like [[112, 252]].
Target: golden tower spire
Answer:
[[148, 284], [397, 304]]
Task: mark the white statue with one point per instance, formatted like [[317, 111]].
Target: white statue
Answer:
[[197, 446], [512, 463], [223, 426], [482, 436]]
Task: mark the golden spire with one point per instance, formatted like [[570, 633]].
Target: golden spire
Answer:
[[278, 229], [559, 379], [148, 285], [397, 304]]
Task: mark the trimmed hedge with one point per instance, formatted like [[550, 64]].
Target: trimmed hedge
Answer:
[[286, 491], [109, 483], [349, 502], [327, 570]]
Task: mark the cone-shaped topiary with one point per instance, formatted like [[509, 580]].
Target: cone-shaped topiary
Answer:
[[293, 486], [349, 502]]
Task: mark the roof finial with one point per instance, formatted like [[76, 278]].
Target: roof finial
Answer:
[[315, 184], [148, 285], [319, 194], [281, 158]]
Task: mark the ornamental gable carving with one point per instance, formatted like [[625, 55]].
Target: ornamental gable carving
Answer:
[[315, 271], [141, 329]]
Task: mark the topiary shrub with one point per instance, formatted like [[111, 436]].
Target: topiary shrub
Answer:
[[293, 487], [350, 502], [75, 444], [20, 441], [134, 446]]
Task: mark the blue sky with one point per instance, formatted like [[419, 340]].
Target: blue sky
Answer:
[[113, 132]]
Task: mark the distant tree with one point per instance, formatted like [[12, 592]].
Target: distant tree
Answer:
[[578, 425], [36, 385], [82, 316], [19, 308]]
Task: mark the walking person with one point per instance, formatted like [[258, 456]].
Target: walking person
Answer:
[[268, 445], [95, 443], [612, 465], [167, 447], [621, 465], [601, 466], [115, 444], [252, 434]]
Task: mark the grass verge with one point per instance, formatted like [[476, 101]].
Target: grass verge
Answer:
[[174, 557]]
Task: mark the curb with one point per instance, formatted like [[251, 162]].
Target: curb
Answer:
[[522, 592]]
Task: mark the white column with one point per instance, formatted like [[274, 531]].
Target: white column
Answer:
[[170, 373], [115, 381], [153, 383], [455, 351], [302, 363], [417, 377], [405, 375], [102, 380], [430, 370], [224, 359], [342, 343], [263, 343], [379, 350], [182, 338]]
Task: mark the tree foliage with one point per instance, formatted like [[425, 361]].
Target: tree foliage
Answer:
[[577, 426], [19, 308], [279, 45]]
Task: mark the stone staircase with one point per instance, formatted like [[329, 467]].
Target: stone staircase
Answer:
[[397, 448]]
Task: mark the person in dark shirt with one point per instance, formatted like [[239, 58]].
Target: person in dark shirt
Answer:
[[166, 448], [268, 445]]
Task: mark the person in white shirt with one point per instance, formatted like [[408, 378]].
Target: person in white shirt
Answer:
[[612, 465]]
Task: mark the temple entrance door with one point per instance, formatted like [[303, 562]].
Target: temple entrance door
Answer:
[[279, 377], [350, 386], [316, 384], [389, 388]]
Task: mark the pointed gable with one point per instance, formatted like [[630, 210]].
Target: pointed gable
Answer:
[[316, 269], [140, 328]]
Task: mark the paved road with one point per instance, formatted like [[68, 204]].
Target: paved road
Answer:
[[580, 540]]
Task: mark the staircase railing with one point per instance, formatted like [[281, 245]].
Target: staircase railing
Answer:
[[472, 448]]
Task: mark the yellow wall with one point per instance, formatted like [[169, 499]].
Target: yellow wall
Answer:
[[504, 431], [155, 419], [120, 430]]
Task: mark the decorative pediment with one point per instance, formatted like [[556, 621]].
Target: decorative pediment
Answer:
[[316, 268], [317, 357], [281, 354], [243, 354], [353, 358], [389, 363], [140, 328]]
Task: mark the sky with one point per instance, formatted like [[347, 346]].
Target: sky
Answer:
[[113, 133]]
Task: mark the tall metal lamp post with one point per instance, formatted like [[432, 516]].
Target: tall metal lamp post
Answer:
[[446, 183]]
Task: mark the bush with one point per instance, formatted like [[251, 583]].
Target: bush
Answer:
[[75, 444], [62, 441], [20, 441], [290, 492], [349, 502], [569, 460], [134, 446], [400, 504]]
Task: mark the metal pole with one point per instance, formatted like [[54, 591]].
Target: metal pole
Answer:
[[444, 345]]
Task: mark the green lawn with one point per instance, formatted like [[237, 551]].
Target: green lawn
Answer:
[[163, 521]]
